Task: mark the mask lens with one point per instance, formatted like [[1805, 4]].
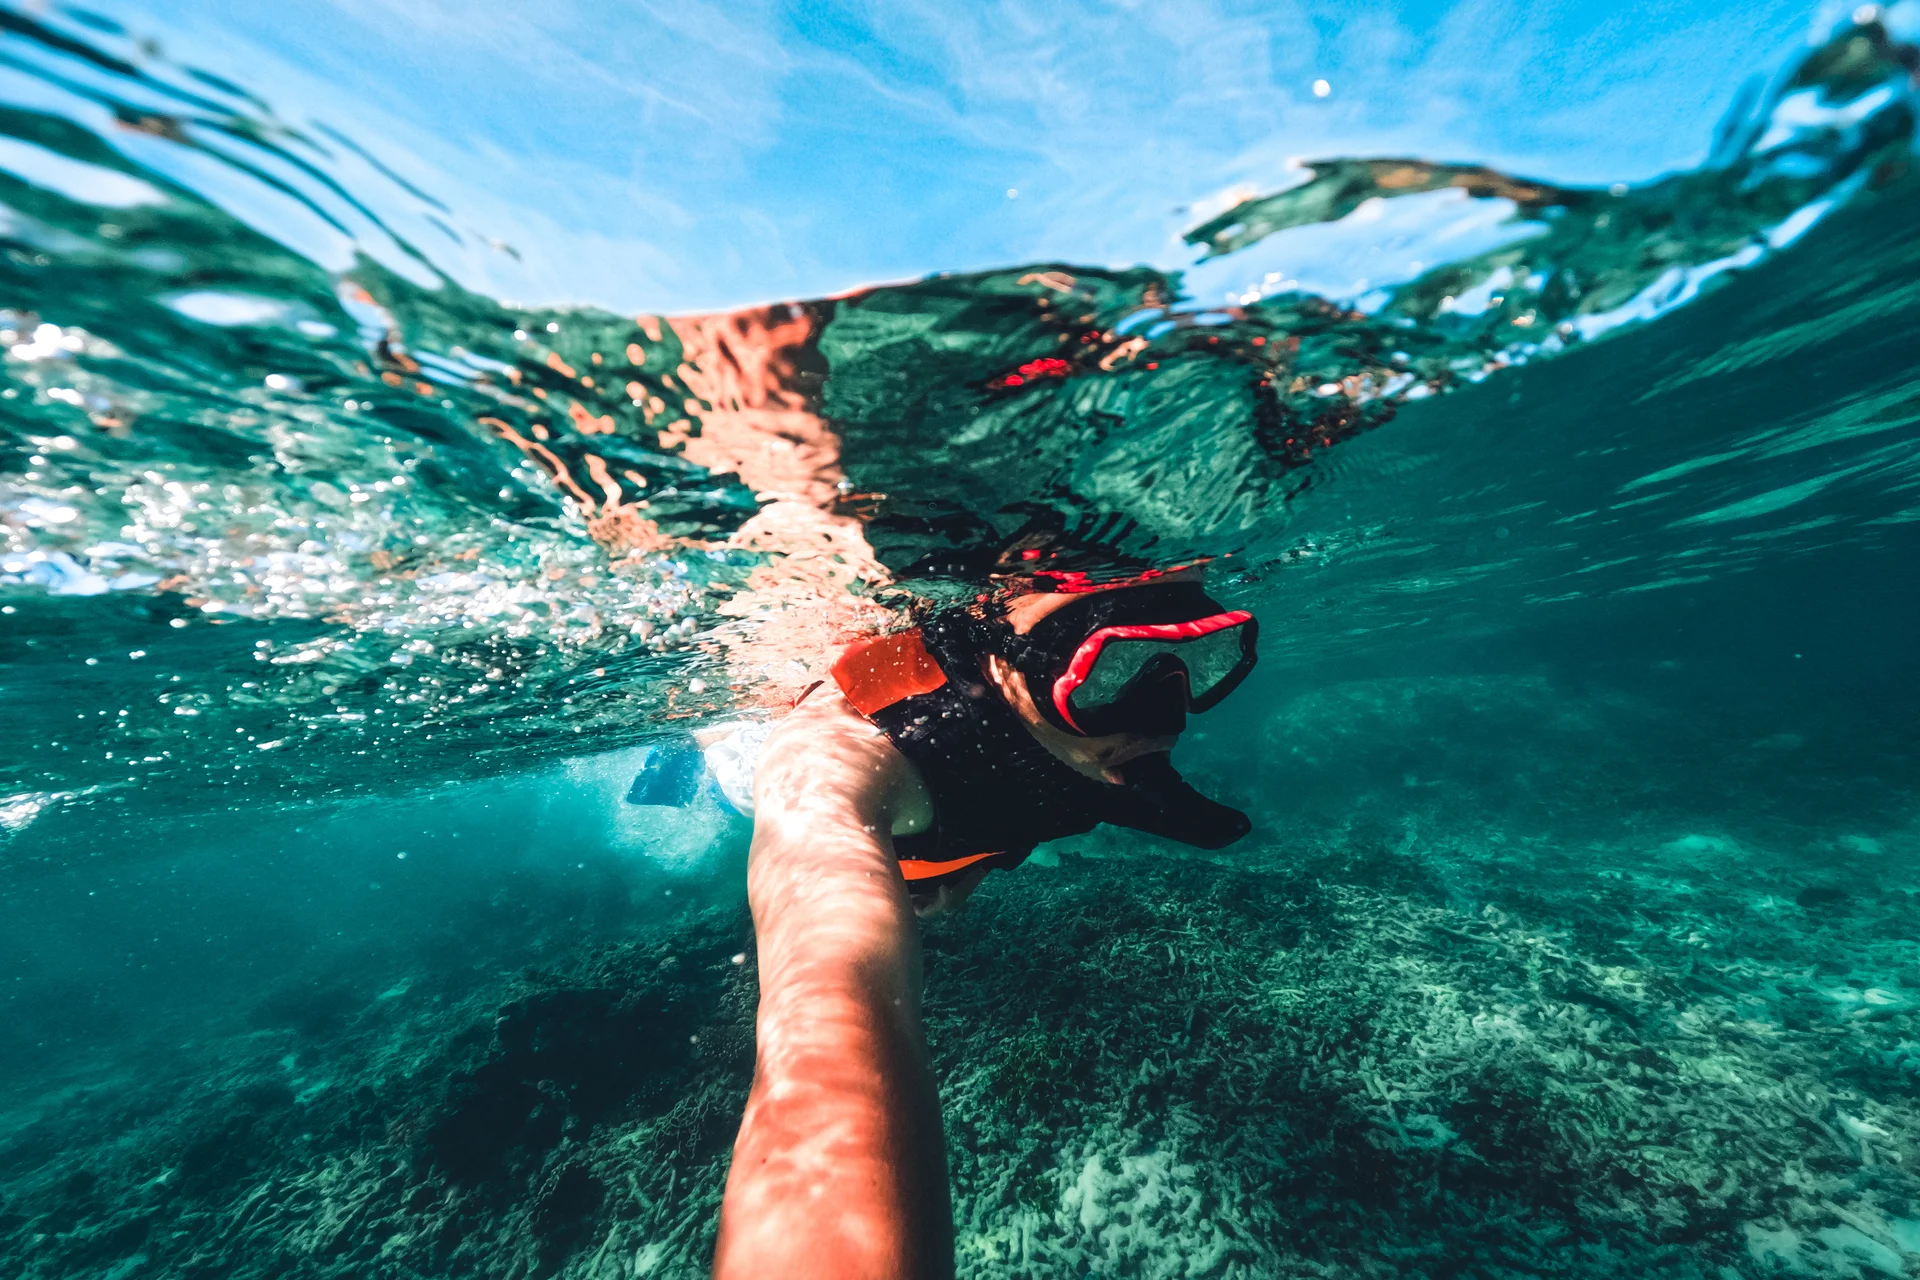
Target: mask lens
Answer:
[[1208, 659], [1120, 661], [1212, 659]]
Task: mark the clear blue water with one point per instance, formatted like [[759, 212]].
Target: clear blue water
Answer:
[[1578, 933]]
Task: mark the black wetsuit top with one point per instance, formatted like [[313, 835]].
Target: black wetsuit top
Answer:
[[996, 789]]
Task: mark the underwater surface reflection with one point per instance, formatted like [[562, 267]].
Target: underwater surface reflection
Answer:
[[1579, 929]]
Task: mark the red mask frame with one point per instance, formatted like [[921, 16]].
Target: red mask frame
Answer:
[[1087, 656]]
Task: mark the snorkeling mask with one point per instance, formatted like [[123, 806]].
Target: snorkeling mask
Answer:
[[1136, 659]]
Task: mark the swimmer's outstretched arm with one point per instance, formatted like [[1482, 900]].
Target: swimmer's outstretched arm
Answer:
[[839, 1171]]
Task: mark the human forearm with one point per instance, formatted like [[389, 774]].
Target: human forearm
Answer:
[[839, 1170]]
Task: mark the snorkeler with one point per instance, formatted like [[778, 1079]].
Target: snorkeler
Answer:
[[932, 757]]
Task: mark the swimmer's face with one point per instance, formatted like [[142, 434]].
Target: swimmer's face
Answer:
[[1099, 758]]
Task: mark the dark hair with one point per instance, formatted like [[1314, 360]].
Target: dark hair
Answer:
[[1050, 544], [960, 632]]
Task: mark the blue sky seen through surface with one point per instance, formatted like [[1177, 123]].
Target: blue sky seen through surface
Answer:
[[695, 155]]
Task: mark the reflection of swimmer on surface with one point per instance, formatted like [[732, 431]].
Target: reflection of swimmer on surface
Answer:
[[750, 379], [927, 759]]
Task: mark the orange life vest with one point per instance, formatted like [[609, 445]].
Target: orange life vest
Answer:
[[877, 673]]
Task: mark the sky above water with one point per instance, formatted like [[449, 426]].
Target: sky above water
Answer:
[[690, 156]]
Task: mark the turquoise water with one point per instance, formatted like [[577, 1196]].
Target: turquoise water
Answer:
[[1578, 932]]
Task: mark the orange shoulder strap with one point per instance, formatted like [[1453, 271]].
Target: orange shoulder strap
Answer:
[[876, 673], [912, 869]]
